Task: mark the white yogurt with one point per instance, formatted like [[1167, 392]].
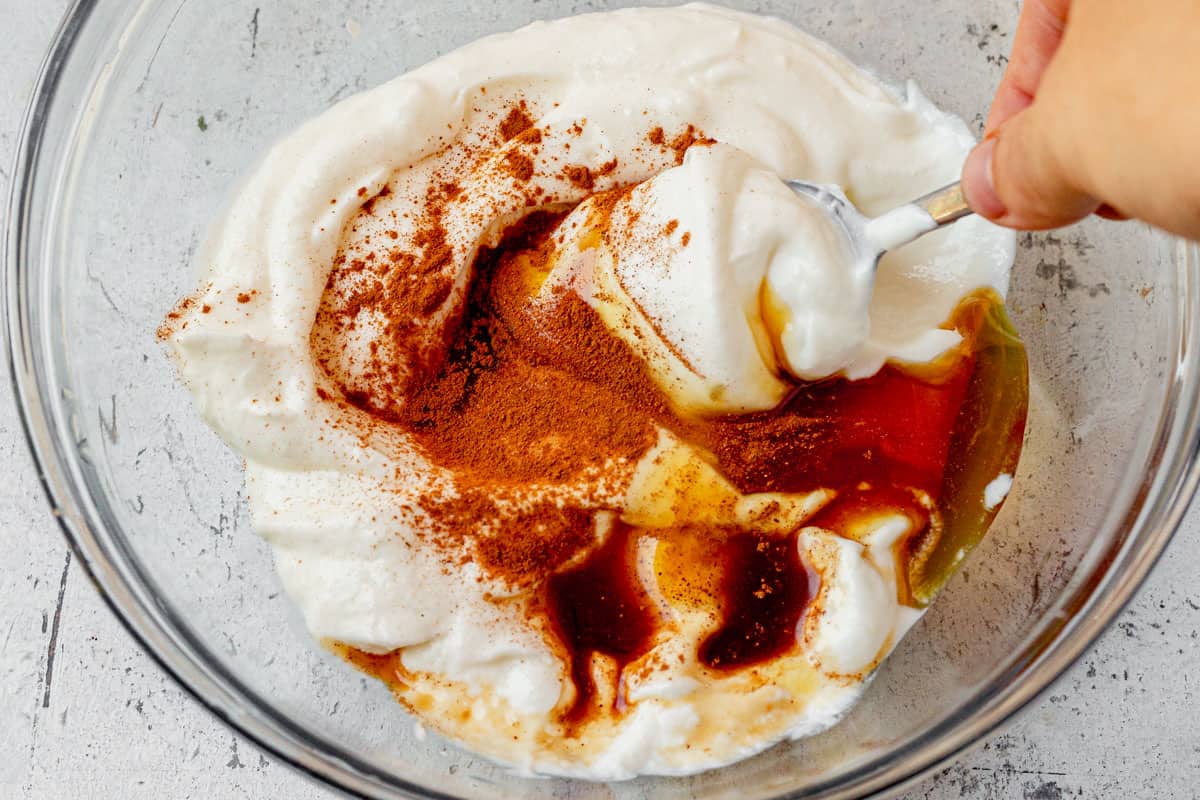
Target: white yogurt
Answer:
[[784, 105]]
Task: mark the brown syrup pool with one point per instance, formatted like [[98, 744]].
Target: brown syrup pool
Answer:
[[764, 591], [599, 607], [542, 393]]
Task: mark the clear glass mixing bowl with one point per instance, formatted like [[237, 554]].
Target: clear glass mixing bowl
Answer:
[[147, 113]]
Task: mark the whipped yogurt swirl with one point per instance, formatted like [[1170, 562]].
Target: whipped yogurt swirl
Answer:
[[326, 496]]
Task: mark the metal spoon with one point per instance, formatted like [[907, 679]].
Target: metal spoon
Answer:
[[871, 237]]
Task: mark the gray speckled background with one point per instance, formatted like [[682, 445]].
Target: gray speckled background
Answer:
[[84, 714]]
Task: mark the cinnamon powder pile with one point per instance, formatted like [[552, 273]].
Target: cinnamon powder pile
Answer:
[[530, 399]]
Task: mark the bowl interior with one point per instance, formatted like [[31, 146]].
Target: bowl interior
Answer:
[[163, 104]]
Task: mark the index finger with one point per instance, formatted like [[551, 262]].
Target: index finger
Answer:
[[1039, 32]]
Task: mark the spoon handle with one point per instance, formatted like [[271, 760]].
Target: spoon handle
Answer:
[[901, 225], [945, 205]]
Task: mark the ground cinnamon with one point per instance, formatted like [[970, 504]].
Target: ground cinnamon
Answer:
[[516, 121], [580, 177]]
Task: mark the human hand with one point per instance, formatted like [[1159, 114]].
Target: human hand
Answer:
[[1098, 112]]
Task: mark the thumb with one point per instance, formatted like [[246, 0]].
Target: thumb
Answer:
[[1015, 179]]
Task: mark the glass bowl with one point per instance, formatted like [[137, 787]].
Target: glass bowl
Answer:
[[149, 110]]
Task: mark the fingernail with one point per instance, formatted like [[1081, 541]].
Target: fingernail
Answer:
[[978, 185]]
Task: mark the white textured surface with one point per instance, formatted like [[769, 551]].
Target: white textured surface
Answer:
[[84, 714]]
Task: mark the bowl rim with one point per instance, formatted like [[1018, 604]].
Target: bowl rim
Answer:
[[1149, 523]]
